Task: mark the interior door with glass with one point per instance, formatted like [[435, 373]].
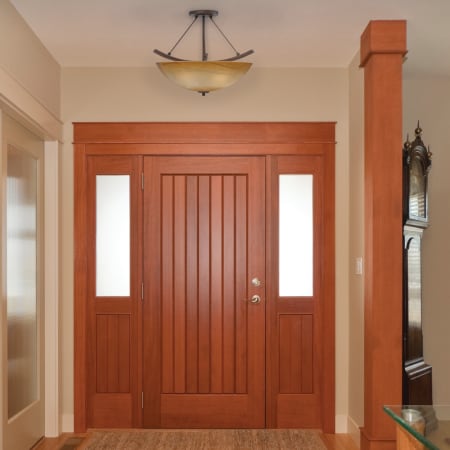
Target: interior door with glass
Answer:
[[22, 281], [204, 301]]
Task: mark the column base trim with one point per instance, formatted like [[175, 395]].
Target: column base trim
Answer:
[[373, 443]]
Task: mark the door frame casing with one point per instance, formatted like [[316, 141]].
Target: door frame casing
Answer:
[[211, 138]]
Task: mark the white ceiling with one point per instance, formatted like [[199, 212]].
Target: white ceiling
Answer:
[[283, 33]]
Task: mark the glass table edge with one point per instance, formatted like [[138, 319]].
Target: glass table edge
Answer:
[[404, 424]]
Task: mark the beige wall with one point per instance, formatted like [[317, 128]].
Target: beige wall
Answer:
[[30, 92], [27, 61], [135, 94], [356, 248], [428, 100]]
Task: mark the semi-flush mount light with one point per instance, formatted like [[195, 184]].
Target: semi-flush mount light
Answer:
[[204, 76]]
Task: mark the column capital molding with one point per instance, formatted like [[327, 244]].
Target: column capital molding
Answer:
[[383, 37]]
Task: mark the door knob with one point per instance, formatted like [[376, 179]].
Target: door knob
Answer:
[[255, 299], [256, 282]]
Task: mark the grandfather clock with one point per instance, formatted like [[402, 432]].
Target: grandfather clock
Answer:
[[417, 375]]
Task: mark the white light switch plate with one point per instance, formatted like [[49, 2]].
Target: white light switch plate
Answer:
[[359, 265]]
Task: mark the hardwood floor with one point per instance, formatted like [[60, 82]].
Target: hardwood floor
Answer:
[[57, 443], [63, 442], [339, 442]]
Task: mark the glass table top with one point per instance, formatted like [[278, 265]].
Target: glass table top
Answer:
[[428, 424]]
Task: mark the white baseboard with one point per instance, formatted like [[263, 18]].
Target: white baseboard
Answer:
[[354, 431], [340, 423], [442, 411], [67, 421], [345, 424]]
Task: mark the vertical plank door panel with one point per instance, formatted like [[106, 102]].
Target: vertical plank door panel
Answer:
[[240, 284], [179, 294], [167, 276], [192, 285], [216, 299], [229, 267], [204, 285]]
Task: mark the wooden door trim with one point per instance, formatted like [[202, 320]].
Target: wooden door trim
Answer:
[[204, 132], [329, 283], [243, 138], [202, 148], [80, 288]]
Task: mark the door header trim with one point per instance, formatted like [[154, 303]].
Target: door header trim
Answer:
[[205, 132]]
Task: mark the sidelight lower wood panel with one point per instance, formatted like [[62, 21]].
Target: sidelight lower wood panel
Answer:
[[113, 353], [296, 348], [295, 409], [109, 410]]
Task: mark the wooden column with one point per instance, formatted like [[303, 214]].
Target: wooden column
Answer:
[[383, 45]]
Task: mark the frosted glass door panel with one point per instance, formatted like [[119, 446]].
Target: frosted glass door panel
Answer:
[[295, 235], [21, 280], [113, 236]]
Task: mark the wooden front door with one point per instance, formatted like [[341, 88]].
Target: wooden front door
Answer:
[[204, 339], [166, 332]]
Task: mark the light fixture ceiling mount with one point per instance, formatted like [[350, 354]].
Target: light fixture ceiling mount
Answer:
[[204, 76]]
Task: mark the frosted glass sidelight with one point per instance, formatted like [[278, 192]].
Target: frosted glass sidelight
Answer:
[[295, 235], [113, 236], [21, 280]]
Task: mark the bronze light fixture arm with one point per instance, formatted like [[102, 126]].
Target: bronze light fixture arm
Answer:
[[203, 13], [167, 55], [174, 58]]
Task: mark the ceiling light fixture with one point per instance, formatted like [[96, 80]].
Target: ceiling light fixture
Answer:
[[204, 76]]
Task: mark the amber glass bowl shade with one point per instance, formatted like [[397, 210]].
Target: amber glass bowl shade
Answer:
[[204, 76]]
